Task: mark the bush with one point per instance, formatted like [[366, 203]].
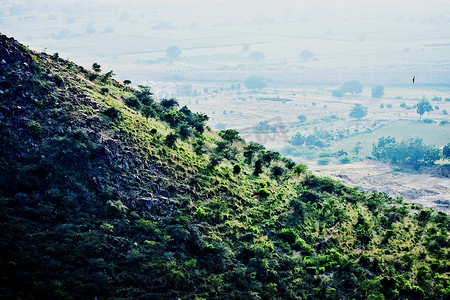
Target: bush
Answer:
[[377, 91], [184, 131], [263, 193], [288, 235], [170, 140], [236, 169], [113, 113], [410, 152], [201, 214], [133, 102], [345, 160], [35, 128], [428, 121], [148, 111], [323, 161]]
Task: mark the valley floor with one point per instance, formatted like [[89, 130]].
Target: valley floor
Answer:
[[423, 189]]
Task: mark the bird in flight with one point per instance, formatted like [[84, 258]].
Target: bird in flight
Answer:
[[413, 79]]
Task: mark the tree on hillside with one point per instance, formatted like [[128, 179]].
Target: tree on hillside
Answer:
[[169, 103], [230, 135], [96, 67], [378, 91], [255, 82], [358, 111], [423, 106], [173, 53]]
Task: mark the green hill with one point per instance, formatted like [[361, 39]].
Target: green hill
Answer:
[[108, 193]]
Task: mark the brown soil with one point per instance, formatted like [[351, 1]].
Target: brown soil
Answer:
[[424, 189]]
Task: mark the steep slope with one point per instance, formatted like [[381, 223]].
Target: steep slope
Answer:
[[108, 193]]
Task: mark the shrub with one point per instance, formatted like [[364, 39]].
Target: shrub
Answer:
[[113, 113], [428, 121], [184, 131], [35, 128], [236, 169], [92, 76], [148, 111], [96, 67], [301, 118], [277, 171], [323, 161], [201, 214], [104, 90], [345, 160], [153, 131], [133, 102], [263, 193], [170, 140], [288, 235], [300, 169], [258, 167], [107, 227]]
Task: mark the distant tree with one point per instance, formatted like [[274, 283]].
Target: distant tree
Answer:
[[255, 82], [378, 91], [357, 148], [127, 82], [446, 151], [338, 93], [301, 118], [423, 106], [256, 56], [173, 53], [245, 47], [306, 55], [352, 87], [297, 140], [358, 111]]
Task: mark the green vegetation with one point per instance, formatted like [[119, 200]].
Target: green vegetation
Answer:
[[378, 91], [358, 111], [352, 87], [102, 200], [410, 152]]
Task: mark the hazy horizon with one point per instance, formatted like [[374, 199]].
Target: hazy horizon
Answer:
[[217, 35]]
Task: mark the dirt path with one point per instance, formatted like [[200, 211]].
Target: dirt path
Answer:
[[423, 189]]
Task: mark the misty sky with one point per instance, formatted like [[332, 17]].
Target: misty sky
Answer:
[[341, 34]]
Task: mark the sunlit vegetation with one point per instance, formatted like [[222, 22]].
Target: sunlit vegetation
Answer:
[[106, 197]]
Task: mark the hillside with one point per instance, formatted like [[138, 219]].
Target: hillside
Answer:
[[108, 193]]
